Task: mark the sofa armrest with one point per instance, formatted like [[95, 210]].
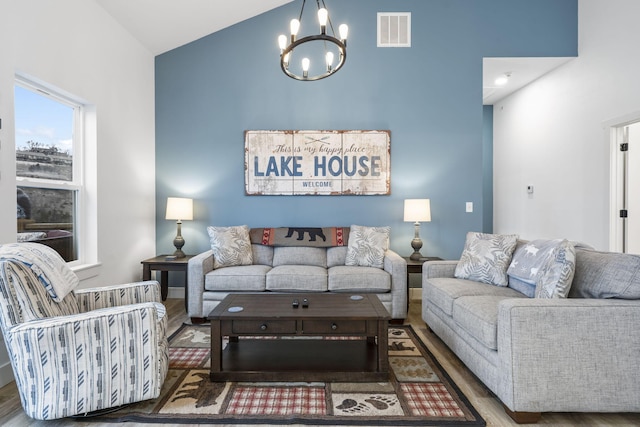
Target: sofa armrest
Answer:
[[198, 267], [433, 269], [118, 295], [396, 266], [569, 355]]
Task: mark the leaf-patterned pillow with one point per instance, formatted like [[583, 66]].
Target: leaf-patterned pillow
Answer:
[[556, 275], [231, 246], [367, 246], [485, 258]]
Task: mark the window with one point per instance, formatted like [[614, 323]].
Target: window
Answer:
[[48, 138]]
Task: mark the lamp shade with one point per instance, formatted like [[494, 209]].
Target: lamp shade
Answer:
[[417, 210], [179, 208]]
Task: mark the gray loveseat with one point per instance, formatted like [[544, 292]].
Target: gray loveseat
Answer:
[[575, 354], [296, 268]]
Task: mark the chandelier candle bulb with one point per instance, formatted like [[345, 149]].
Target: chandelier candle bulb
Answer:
[[282, 42], [294, 26], [305, 67], [329, 60], [344, 32], [322, 17]]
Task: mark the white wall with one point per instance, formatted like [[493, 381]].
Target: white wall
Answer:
[[550, 134], [77, 47]]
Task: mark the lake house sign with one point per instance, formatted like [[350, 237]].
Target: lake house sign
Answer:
[[353, 162]]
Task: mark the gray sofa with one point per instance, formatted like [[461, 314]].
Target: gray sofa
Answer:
[[575, 354], [295, 269]]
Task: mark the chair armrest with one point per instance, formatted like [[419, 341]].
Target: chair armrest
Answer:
[[434, 269], [551, 348], [396, 266], [118, 295], [198, 267], [105, 358]]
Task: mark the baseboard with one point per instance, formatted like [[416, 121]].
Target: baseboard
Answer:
[[415, 293]]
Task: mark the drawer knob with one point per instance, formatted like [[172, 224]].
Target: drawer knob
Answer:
[[334, 326], [263, 327]]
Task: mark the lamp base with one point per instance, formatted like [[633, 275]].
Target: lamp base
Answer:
[[416, 244], [178, 242], [179, 254], [416, 256]]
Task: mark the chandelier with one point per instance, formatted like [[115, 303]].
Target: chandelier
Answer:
[[328, 47]]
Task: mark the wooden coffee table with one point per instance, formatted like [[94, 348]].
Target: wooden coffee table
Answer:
[[283, 343]]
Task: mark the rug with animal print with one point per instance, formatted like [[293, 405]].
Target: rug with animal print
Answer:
[[418, 392]]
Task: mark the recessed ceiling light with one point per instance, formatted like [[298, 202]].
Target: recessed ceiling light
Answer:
[[503, 79]]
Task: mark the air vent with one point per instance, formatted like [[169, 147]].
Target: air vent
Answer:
[[394, 29]]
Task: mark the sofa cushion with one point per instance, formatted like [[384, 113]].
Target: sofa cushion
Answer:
[[442, 292], [262, 254], [239, 278], [485, 258], [336, 256], [606, 275], [230, 245], [297, 278], [478, 316], [367, 246], [292, 255], [358, 279]]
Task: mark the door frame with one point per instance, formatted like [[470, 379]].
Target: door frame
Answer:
[[615, 132]]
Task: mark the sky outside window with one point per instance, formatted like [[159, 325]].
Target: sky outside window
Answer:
[[43, 120]]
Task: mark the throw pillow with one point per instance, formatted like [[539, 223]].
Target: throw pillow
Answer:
[[230, 245], [557, 273], [529, 258], [485, 258], [367, 246], [546, 265]]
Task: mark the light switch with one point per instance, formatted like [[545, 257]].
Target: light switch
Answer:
[[469, 206]]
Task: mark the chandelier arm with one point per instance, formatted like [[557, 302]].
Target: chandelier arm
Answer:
[[302, 10]]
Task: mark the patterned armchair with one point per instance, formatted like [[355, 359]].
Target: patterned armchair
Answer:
[[75, 351]]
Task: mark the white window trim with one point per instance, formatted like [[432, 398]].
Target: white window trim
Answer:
[[86, 252]]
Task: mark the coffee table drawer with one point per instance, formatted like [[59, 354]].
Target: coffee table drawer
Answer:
[[334, 327], [263, 327]]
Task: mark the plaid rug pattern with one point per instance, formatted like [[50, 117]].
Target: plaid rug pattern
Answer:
[[419, 392]]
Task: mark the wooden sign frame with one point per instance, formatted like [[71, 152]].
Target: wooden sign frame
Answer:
[[317, 162]]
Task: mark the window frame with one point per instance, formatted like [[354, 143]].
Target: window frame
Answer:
[[77, 183]]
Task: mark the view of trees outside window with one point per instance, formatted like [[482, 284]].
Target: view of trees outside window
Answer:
[[47, 191]]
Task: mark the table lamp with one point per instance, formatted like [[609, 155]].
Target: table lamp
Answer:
[[416, 210], [180, 209]]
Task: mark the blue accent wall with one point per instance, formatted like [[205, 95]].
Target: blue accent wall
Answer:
[[429, 96]]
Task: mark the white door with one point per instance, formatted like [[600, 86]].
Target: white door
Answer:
[[632, 237]]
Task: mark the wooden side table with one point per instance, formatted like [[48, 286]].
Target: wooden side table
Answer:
[[416, 267], [164, 265]]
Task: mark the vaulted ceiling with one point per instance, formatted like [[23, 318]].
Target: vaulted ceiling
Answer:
[[162, 25]]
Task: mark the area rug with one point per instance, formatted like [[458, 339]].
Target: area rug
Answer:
[[419, 392]]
